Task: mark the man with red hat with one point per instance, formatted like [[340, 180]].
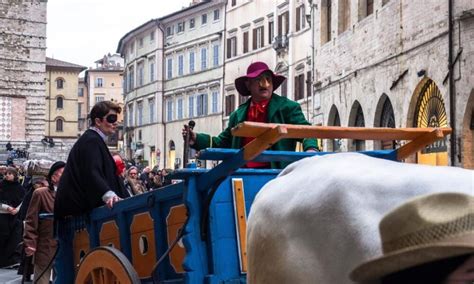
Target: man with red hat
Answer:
[[263, 106]]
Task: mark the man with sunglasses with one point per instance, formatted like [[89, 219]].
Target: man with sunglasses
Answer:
[[89, 179]]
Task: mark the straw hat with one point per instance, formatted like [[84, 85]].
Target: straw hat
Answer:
[[423, 230]]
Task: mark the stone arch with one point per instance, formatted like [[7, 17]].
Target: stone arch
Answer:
[[384, 117], [467, 134], [427, 109], [334, 145], [356, 119]]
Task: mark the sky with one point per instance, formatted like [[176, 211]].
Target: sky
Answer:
[[82, 31]]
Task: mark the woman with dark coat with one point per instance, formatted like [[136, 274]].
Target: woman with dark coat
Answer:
[[11, 196]]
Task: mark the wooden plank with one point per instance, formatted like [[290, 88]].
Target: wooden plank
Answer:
[[264, 141], [419, 143], [240, 221], [255, 129]]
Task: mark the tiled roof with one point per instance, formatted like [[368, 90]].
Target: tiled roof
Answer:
[[51, 62]]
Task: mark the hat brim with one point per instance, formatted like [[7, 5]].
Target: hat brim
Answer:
[[403, 259], [277, 80]]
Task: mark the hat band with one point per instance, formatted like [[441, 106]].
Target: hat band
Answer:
[[432, 234]]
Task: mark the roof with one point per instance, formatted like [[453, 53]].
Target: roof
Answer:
[[184, 10], [51, 62]]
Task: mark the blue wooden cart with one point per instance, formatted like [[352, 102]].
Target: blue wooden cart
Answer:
[[194, 231]]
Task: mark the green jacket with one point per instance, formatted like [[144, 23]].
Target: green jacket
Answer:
[[280, 110]]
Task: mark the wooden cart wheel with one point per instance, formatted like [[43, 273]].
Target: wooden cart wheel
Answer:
[[104, 265]]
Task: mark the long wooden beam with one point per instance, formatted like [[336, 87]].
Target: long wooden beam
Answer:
[[264, 141], [255, 129]]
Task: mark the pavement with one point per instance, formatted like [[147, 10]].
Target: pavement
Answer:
[[10, 276]]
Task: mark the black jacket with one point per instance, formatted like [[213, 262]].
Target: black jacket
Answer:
[[11, 194], [88, 175]]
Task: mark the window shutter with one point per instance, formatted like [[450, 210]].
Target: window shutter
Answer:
[[229, 48], [254, 39]]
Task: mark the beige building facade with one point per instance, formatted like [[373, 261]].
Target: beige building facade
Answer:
[[61, 98]]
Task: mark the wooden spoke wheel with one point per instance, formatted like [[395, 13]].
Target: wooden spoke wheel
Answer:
[[105, 265]]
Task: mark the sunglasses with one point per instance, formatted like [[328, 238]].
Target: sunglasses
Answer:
[[111, 118]]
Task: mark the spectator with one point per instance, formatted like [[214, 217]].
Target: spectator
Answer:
[[144, 177], [89, 178], [429, 239], [38, 238], [120, 164], [132, 183], [11, 196], [156, 181]]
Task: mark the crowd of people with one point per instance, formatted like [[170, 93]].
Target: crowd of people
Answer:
[[24, 196]]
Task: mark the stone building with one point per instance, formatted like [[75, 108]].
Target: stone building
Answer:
[[22, 72], [193, 81], [104, 82], [62, 109], [385, 63], [142, 49]]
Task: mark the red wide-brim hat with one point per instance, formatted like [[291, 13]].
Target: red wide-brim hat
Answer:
[[253, 71]]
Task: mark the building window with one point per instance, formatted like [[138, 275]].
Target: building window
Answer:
[[191, 62], [180, 108], [234, 2], [283, 24], [141, 74], [59, 125], [203, 19], [180, 65], [152, 70], [258, 35], [152, 36], [204, 58], [300, 18], [99, 82], [216, 15], [284, 88], [59, 83], [215, 58], [169, 31], [169, 110], [366, 8], [191, 106], [132, 48], [99, 98], [229, 104], [131, 78], [79, 110], [181, 27], [299, 87], [384, 2], [151, 110], [59, 102], [309, 84], [140, 42], [192, 23], [326, 19], [245, 46], [169, 64], [215, 101], [271, 28], [231, 47], [201, 105], [130, 115], [140, 113], [344, 14], [80, 92]]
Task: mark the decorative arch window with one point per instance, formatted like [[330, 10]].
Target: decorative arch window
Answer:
[[59, 102], [60, 83], [59, 125]]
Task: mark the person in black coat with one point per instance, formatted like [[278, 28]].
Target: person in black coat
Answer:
[[11, 196], [89, 179]]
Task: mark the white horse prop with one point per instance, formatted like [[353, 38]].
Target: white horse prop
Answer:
[[319, 218]]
